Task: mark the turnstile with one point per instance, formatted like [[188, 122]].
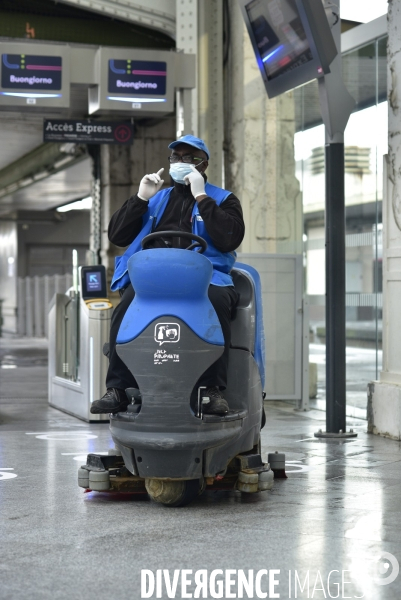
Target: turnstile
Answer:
[[79, 325]]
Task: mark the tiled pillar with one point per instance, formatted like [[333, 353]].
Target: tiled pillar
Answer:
[[259, 151], [384, 396]]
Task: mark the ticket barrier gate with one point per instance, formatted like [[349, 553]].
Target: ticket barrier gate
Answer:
[[79, 325]]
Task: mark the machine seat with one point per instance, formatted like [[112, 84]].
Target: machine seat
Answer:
[[243, 324]]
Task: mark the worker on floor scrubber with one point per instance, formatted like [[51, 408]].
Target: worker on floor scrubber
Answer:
[[191, 205]]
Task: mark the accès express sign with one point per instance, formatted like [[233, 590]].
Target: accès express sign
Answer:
[[88, 131]]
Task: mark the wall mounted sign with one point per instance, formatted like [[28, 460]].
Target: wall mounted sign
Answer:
[[133, 80], [292, 41], [87, 131], [128, 81], [138, 76], [21, 71], [37, 78]]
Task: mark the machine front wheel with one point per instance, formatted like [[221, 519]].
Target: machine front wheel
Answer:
[[173, 493]]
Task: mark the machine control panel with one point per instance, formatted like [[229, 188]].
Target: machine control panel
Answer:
[[93, 283]]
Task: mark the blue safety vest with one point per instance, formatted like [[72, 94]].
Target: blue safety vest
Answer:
[[222, 262]]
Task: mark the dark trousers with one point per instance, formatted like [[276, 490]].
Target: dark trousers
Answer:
[[224, 300]]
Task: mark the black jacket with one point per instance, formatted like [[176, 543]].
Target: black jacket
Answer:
[[224, 223]]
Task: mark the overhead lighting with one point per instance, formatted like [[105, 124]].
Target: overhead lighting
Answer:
[[30, 95], [63, 161], [136, 99], [84, 204], [41, 175]]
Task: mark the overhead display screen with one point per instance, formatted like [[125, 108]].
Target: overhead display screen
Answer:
[[279, 34], [133, 79], [139, 77], [30, 72], [34, 76]]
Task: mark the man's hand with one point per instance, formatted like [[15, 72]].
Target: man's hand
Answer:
[[150, 185], [197, 183]]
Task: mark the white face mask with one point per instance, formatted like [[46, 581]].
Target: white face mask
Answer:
[[180, 170]]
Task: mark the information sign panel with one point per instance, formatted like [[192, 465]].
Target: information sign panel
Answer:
[[93, 282], [20, 71], [87, 131], [133, 80], [40, 78], [291, 39], [139, 76], [283, 44]]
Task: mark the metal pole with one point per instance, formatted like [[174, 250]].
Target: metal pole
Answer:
[[335, 289], [95, 217], [336, 105]]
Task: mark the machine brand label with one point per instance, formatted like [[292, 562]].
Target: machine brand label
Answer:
[[163, 356], [167, 333]]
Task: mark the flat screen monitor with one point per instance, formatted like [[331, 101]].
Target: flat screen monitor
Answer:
[[93, 282], [133, 81], [292, 41], [138, 77], [27, 71], [34, 76]]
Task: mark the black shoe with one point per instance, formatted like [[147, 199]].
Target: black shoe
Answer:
[[114, 401], [217, 404]]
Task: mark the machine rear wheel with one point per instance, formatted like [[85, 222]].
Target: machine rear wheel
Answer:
[[173, 493]]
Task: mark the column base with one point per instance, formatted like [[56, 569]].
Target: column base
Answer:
[[384, 409]]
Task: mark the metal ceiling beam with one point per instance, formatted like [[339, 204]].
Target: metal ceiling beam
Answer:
[[155, 14], [43, 161]]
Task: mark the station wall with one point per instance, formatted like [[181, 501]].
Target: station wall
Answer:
[[46, 240]]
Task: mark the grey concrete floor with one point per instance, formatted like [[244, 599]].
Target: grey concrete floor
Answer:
[[337, 516]]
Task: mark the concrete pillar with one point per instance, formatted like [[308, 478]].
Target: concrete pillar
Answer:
[[116, 182], [95, 228], [384, 396], [122, 168], [210, 84], [200, 111], [259, 144], [187, 42]]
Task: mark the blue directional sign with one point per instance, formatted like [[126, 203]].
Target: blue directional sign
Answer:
[[93, 282]]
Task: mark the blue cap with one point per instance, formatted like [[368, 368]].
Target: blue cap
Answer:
[[191, 140]]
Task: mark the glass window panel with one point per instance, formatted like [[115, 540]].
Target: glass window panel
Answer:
[[382, 69], [307, 106], [365, 144], [365, 75], [359, 74]]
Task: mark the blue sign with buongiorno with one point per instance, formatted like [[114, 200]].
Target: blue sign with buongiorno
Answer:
[[137, 76], [29, 72]]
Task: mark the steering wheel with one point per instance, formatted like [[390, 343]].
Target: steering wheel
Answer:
[[198, 243]]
